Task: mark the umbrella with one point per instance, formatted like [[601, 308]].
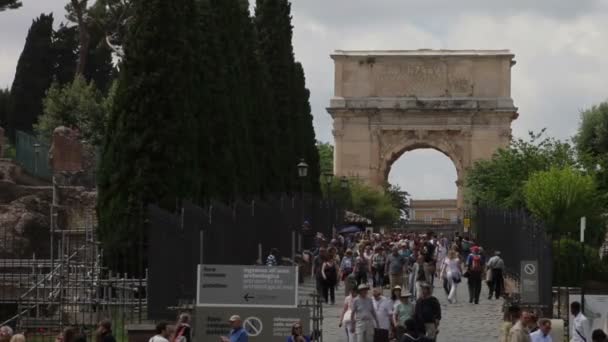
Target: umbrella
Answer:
[[350, 230]]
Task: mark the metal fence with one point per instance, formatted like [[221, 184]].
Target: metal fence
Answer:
[[50, 281], [32, 155], [242, 233], [519, 237]]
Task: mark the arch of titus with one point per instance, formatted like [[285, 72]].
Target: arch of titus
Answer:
[[386, 103]]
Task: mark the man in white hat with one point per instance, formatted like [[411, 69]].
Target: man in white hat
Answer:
[[363, 316], [237, 333]]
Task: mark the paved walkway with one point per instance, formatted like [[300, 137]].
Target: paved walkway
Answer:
[[462, 322]]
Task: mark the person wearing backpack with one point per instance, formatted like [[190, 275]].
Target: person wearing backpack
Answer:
[[475, 266]]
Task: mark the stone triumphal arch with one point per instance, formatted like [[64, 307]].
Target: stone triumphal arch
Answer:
[[386, 103]]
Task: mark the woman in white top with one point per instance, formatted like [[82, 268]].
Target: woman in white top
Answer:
[[451, 269], [346, 314]]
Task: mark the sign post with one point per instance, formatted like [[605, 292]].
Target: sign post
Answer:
[[529, 286], [265, 297], [247, 286], [582, 278]]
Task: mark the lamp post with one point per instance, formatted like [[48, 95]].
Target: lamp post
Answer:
[[344, 187], [36, 153], [302, 174]]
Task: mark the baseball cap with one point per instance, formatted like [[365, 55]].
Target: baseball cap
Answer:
[[234, 318]]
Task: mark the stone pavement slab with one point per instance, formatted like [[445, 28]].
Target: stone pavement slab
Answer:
[[461, 322]]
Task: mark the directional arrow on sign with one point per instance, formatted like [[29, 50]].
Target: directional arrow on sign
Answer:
[[247, 297]]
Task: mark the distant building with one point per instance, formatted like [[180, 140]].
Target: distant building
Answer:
[[434, 211]]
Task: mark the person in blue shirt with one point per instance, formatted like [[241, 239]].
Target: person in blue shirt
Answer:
[[237, 333], [297, 334]]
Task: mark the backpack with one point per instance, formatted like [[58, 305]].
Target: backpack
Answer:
[[476, 263]]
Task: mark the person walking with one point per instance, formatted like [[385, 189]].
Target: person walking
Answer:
[[273, 258], [418, 277], [362, 268], [6, 333], [104, 332], [317, 264], [297, 334], [452, 272], [162, 333], [475, 266], [598, 335], [412, 334], [395, 266], [363, 316], [542, 334], [384, 312], [329, 272], [347, 265], [237, 333], [496, 266], [346, 315], [520, 331], [378, 266], [427, 312], [581, 329], [512, 316], [18, 338], [403, 311], [183, 331]]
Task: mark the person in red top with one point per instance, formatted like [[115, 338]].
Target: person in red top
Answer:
[[475, 266]]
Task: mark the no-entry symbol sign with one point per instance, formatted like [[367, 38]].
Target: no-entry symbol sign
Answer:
[[253, 326], [530, 269]]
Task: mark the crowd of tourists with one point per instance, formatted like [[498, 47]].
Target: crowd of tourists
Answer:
[[407, 265]]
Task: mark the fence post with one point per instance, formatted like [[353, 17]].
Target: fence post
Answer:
[[260, 254], [293, 245]]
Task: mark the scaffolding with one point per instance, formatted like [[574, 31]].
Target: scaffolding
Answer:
[[69, 288]]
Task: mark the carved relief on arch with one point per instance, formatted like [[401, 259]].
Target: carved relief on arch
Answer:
[[393, 143]]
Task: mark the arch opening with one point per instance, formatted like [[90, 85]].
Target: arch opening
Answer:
[[430, 177]]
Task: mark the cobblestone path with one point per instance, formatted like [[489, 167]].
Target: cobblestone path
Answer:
[[461, 322]]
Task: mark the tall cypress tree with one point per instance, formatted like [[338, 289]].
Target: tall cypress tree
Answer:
[[33, 76], [65, 48], [148, 148], [4, 98], [307, 146], [273, 22]]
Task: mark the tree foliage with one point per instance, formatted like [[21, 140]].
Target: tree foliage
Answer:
[[560, 197], [33, 76], [326, 156], [77, 105], [10, 4], [4, 98], [148, 149], [290, 106], [592, 146], [499, 181]]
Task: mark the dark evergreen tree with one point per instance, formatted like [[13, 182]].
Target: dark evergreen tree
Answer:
[[4, 98], [65, 47], [273, 22], [99, 67], [307, 142], [149, 144], [33, 76]]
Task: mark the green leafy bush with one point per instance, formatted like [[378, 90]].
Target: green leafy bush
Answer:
[[567, 263]]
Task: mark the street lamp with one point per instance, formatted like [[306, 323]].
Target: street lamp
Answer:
[[302, 168], [36, 153], [344, 182]]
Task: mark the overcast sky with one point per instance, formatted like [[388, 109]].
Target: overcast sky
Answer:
[[560, 47]]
